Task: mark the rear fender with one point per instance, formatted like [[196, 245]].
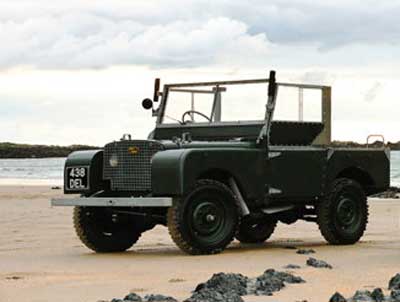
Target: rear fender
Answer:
[[370, 167]]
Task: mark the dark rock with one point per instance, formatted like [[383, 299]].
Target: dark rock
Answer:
[[318, 263], [285, 277], [116, 300], [305, 252], [337, 298], [133, 297], [271, 281], [159, 298], [265, 285], [394, 283], [395, 295], [230, 287], [211, 295], [56, 188], [362, 295], [226, 283], [200, 287], [290, 247], [292, 266], [378, 295]]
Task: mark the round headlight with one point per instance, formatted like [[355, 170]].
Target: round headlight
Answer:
[[114, 161]]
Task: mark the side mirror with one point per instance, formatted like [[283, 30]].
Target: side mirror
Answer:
[[147, 104]]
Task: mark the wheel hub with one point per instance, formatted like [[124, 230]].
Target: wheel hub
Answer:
[[206, 218], [346, 212], [210, 218]]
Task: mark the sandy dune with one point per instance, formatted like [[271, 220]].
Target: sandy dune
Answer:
[[41, 259]]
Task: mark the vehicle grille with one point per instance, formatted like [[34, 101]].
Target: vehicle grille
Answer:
[[133, 169]]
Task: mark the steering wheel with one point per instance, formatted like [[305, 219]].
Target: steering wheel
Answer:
[[196, 112]]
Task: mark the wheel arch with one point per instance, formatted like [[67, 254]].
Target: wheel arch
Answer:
[[174, 172], [219, 174], [360, 175]]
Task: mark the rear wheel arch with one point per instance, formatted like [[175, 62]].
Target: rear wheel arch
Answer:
[[359, 175]]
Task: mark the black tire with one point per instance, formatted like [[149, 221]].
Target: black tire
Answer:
[[256, 232], [205, 220], [97, 230], [342, 216]]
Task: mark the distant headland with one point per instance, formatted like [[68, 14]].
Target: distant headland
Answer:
[[11, 150]]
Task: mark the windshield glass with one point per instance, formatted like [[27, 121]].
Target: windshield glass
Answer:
[[236, 103]]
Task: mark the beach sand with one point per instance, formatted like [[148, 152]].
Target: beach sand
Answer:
[[41, 259]]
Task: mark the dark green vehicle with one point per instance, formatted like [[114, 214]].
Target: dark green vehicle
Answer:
[[215, 169]]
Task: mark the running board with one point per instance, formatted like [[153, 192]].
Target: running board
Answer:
[[274, 210]]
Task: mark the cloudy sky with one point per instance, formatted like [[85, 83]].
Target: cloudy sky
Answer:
[[76, 71]]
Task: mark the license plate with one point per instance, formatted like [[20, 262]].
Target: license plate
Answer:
[[77, 178]]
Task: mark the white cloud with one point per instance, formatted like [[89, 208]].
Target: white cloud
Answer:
[[60, 83], [87, 34], [87, 40]]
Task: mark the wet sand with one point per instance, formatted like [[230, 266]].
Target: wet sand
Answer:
[[41, 259]]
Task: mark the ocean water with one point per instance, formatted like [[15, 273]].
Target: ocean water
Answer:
[[32, 171], [50, 170], [395, 168]]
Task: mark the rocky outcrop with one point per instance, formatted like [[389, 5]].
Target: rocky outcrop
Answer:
[[392, 192], [376, 144], [10, 150]]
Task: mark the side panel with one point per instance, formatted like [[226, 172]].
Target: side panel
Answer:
[[92, 159], [175, 171], [375, 164], [296, 173]]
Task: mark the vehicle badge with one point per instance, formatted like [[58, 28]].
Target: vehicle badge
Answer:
[[133, 150]]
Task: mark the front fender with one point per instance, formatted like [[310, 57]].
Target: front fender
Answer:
[[174, 172], [92, 159]]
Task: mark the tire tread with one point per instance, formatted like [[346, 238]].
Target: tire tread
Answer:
[[89, 239], [324, 216], [174, 224]]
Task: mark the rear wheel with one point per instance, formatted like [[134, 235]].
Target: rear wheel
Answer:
[[103, 232], [343, 214], [205, 220], [256, 232]]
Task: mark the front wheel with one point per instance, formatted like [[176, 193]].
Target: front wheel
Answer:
[[342, 215], [205, 220], [103, 232]]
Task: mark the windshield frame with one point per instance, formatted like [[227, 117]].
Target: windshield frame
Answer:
[[168, 87]]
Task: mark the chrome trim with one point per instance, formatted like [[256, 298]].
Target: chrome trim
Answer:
[[274, 210], [113, 202], [274, 154], [274, 191]]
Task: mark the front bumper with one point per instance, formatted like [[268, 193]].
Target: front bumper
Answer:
[[113, 202]]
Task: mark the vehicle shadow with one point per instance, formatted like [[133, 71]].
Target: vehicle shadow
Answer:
[[170, 250]]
